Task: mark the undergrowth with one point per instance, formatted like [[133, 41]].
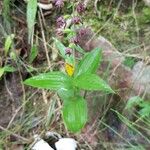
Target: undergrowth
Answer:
[[27, 48]]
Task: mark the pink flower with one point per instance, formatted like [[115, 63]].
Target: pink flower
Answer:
[[80, 8]]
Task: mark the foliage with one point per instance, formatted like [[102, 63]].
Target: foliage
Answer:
[[8, 43], [31, 16], [77, 106], [6, 14], [143, 104], [129, 61], [69, 87], [145, 17], [33, 53], [79, 75], [6, 69]]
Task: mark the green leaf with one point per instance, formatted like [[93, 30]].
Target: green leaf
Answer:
[[79, 49], [13, 55], [6, 14], [129, 61], [31, 15], [60, 47], [75, 114], [51, 81], [68, 31], [6, 69], [67, 16], [65, 93], [92, 82], [146, 14], [9, 69], [89, 63], [133, 101], [8, 43], [145, 111], [31, 69], [69, 59], [33, 53], [1, 72]]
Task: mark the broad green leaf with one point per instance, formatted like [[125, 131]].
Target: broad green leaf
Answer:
[[8, 43], [31, 16], [33, 53], [133, 101], [89, 63], [75, 114], [1, 72], [65, 93], [60, 47], [92, 82], [51, 81]]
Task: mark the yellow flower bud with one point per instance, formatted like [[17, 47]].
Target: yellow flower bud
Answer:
[[69, 69]]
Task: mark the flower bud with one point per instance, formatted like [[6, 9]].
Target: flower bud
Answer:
[[80, 8], [60, 22], [59, 3], [76, 20], [68, 51]]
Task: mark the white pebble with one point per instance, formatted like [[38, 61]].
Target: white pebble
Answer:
[[41, 145], [66, 144]]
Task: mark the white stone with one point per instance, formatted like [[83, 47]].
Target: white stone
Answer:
[[66, 144], [41, 145]]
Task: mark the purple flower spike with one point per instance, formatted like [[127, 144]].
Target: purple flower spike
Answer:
[[60, 22], [75, 20], [59, 3], [80, 8]]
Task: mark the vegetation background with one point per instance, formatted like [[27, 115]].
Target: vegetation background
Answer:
[[116, 121]]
